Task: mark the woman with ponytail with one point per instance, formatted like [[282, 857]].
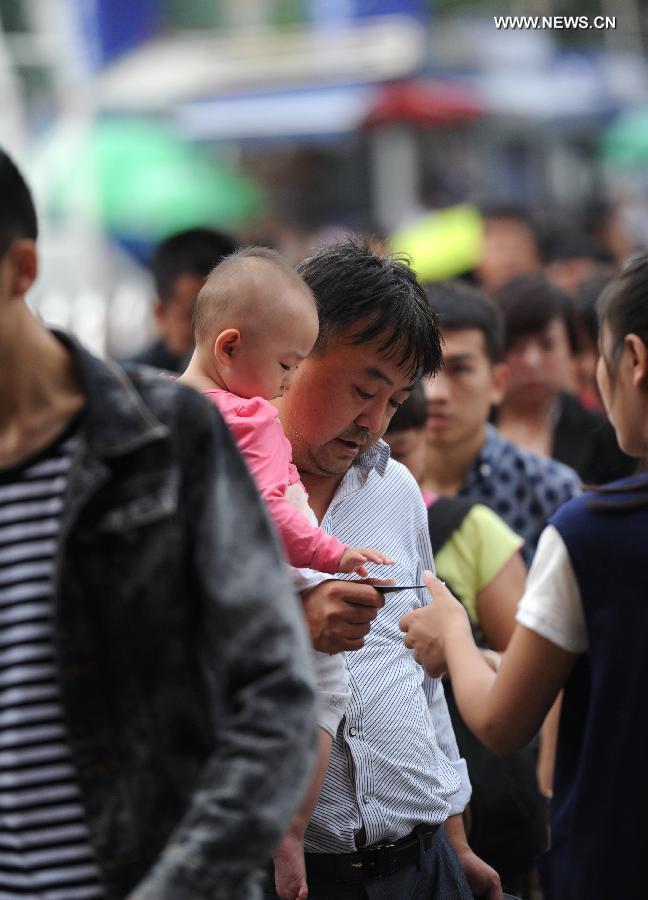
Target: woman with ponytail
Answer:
[[582, 625]]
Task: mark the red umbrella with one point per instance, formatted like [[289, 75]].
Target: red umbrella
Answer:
[[413, 103]]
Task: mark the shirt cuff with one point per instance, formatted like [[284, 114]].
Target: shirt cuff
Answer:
[[306, 579]]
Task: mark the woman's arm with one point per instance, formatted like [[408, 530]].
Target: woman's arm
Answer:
[[497, 602], [503, 710]]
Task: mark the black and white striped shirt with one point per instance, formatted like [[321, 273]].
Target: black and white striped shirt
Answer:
[[394, 762], [45, 851]]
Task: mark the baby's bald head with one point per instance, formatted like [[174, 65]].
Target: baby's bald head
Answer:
[[254, 291], [255, 320]]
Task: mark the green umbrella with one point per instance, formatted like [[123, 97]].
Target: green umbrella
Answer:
[[141, 180], [625, 143]]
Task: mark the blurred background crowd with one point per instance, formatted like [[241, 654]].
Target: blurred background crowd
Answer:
[[482, 152]]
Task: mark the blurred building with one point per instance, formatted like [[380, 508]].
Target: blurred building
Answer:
[[355, 114]]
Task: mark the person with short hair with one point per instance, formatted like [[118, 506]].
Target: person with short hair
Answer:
[[255, 321], [511, 246], [157, 721], [571, 257], [180, 265], [581, 626], [466, 455], [388, 819], [537, 410], [477, 553]]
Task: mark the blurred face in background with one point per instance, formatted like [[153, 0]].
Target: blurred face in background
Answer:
[[173, 316], [408, 447], [569, 274], [584, 364], [509, 249], [540, 365], [460, 397]]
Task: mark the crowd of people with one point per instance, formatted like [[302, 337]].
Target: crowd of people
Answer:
[[266, 625]]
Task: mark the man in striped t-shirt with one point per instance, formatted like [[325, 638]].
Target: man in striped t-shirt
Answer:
[[156, 697]]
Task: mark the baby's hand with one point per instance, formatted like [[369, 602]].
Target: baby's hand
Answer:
[[354, 559]]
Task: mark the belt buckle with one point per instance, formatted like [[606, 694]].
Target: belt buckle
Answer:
[[385, 860]]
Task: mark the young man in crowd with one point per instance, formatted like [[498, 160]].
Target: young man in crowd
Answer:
[[180, 265], [156, 699], [538, 410], [466, 455], [388, 820], [511, 247]]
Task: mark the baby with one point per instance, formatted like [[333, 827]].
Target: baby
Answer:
[[255, 320]]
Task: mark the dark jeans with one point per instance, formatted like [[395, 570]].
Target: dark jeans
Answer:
[[438, 877]]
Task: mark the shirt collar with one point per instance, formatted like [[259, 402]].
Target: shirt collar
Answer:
[[116, 419], [490, 455], [376, 457]]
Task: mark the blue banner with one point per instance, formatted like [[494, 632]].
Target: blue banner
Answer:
[[339, 12], [108, 28]]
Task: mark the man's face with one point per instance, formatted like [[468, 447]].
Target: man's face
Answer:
[[340, 403], [409, 448], [509, 249], [460, 397], [539, 365], [174, 317]]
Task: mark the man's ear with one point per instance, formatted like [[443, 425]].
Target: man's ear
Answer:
[[500, 374], [226, 346], [23, 266], [638, 359]]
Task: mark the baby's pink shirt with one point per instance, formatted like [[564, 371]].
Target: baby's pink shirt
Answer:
[[261, 439]]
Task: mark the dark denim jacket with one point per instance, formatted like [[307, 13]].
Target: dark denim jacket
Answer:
[[184, 664]]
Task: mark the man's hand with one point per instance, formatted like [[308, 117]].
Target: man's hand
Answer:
[[483, 880], [339, 613]]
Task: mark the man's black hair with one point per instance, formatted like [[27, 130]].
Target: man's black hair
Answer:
[[529, 303], [410, 414], [569, 243], [379, 293], [461, 307], [17, 212], [494, 209], [585, 301], [192, 252]]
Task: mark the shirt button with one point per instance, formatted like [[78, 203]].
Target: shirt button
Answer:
[[353, 731], [485, 469], [366, 798]]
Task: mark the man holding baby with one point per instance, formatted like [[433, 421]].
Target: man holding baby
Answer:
[[388, 820]]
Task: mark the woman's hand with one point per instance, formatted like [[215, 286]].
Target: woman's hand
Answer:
[[426, 629]]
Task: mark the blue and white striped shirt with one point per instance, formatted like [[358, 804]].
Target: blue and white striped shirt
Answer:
[[394, 763]]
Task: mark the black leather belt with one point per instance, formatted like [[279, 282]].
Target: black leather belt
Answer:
[[371, 862]]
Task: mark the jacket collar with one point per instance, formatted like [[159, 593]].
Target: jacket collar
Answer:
[[117, 421]]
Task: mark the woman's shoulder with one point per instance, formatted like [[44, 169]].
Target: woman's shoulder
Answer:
[[490, 526]]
